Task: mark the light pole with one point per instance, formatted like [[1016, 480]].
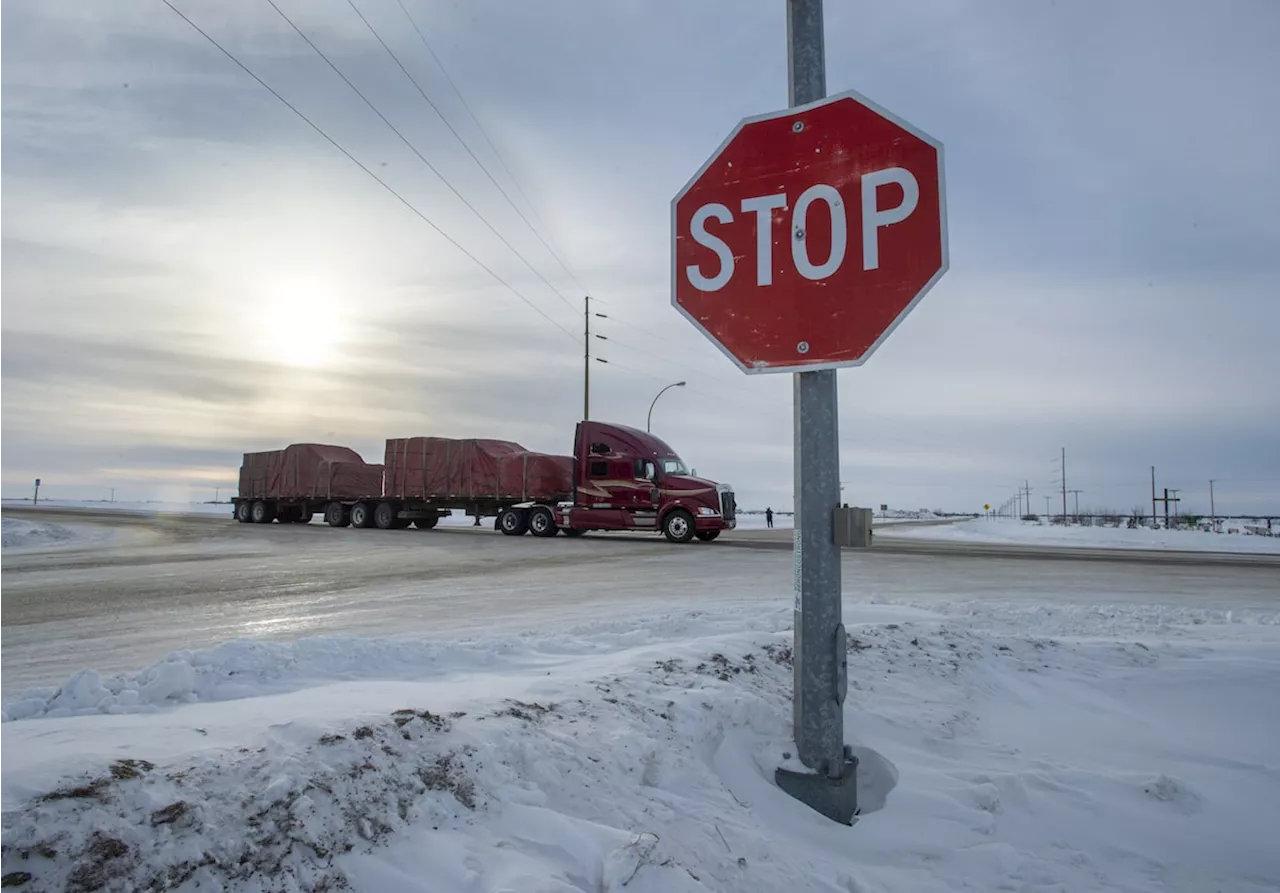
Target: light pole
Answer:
[[649, 421]]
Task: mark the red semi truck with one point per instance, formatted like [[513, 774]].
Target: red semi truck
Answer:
[[618, 478]]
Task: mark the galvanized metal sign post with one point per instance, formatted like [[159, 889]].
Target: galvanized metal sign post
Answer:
[[799, 246]]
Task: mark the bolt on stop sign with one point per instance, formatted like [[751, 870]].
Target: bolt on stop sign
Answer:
[[809, 235]]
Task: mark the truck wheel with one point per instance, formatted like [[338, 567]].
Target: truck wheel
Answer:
[[263, 512], [242, 512], [336, 515], [707, 536], [384, 516], [542, 522], [513, 522], [427, 523], [677, 526], [361, 515], [573, 532]]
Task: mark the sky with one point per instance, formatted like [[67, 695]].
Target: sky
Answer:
[[190, 271]]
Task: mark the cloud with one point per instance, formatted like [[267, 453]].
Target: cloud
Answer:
[[189, 271]]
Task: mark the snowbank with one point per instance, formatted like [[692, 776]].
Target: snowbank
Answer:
[[21, 535], [1006, 531], [995, 754]]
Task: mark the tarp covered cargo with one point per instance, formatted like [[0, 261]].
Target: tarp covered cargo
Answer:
[[445, 469], [308, 471]]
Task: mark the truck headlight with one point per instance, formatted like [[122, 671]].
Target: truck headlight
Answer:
[[703, 510]]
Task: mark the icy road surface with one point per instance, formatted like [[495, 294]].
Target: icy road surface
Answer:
[[180, 582]]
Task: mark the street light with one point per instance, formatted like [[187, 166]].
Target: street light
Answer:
[[649, 421]]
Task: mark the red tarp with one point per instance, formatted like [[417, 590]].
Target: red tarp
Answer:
[[457, 470], [308, 471]]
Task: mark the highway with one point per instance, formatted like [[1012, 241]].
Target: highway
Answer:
[[148, 585]]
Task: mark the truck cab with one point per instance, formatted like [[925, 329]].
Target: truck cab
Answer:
[[627, 479]]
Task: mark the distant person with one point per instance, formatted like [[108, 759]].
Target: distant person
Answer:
[[768, 517]]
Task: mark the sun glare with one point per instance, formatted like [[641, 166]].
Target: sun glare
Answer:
[[302, 323]]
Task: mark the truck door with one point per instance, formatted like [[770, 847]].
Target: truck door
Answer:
[[646, 494]]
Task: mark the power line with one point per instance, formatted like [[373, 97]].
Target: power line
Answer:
[[502, 161], [434, 108], [404, 139], [404, 201]]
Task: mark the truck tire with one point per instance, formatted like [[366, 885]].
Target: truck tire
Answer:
[[677, 526], [336, 515], [542, 522], [707, 536], [384, 516], [513, 522], [263, 512], [427, 523], [361, 515], [242, 512]]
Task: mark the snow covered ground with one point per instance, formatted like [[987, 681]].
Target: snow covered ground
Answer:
[[1004, 746], [1003, 530], [22, 535], [149, 508]]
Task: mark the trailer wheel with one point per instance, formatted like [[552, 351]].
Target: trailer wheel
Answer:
[[542, 522], [384, 516], [361, 515], [263, 512], [707, 536], [513, 522], [573, 532], [336, 515], [677, 526], [243, 512], [427, 523]]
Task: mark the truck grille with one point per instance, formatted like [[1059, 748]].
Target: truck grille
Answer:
[[728, 506]]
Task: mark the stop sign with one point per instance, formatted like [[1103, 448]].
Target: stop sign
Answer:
[[809, 235]]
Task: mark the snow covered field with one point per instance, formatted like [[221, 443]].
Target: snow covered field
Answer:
[[1003, 530], [1003, 746], [149, 508], [21, 535]]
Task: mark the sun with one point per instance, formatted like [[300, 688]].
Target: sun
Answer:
[[302, 322]]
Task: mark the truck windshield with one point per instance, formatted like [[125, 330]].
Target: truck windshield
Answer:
[[673, 465]]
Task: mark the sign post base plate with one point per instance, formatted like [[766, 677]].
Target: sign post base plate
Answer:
[[835, 798]]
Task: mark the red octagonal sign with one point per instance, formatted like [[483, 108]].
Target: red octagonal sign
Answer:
[[809, 235]]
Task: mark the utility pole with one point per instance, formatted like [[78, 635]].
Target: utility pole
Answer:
[[1213, 514], [1064, 485], [586, 358], [586, 355], [113, 494], [1027, 484], [1076, 493], [1153, 497], [1048, 500], [821, 654], [1175, 502]]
